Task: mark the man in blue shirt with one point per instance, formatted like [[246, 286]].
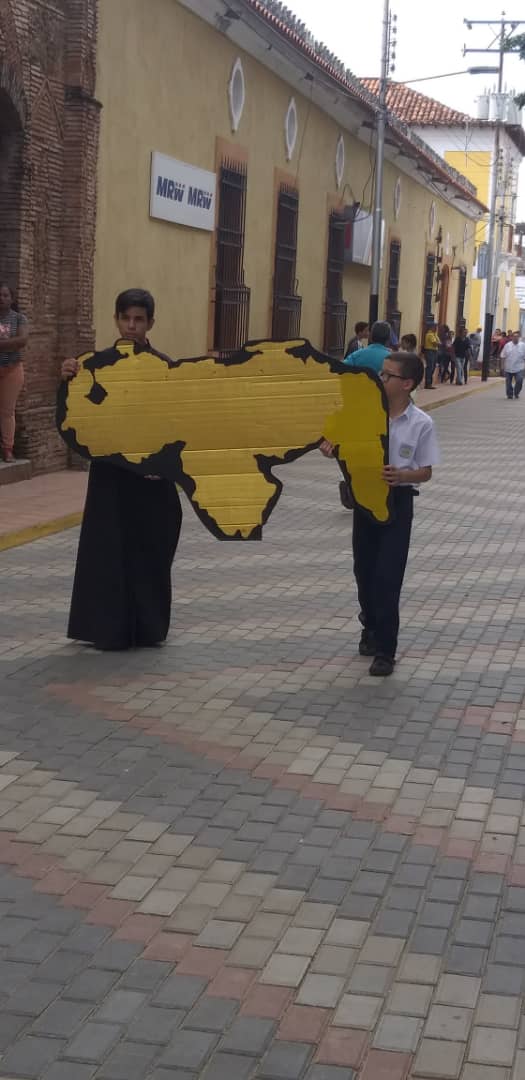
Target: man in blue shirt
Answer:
[[374, 354]]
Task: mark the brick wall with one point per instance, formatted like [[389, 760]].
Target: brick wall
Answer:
[[48, 158]]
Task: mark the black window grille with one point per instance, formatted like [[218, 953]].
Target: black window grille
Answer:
[[286, 315], [428, 295], [462, 288], [232, 296], [393, 313], [335, 306]]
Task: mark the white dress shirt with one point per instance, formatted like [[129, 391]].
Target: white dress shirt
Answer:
[[513, 357], [412, 440]]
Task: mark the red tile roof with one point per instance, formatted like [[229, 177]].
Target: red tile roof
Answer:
[[415, 108], [286, 25]]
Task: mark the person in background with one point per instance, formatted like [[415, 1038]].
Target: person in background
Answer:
[[373, 355], [513, 359], [360, 339], [430, 349], [496, 346], [475, 344], [461, 352], [443, 358], [14, 334], [122, 588], [409, 343], [394, 340]]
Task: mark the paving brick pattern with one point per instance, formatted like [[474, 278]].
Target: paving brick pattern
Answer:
[[241, 857]]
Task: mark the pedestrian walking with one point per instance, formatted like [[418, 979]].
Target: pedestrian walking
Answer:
[[513, 359], [430, 348], [381, 551], [14, 334], [461, 353], [359, 340], [122, 588]]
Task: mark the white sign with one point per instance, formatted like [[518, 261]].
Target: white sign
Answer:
[[182, 193]]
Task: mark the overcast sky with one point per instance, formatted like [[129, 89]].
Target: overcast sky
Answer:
[[430, 42]]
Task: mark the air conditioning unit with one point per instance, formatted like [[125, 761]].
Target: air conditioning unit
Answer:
[[358, 239]]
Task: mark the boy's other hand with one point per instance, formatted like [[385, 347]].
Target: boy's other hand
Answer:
[[392, 475], [326, 448], [69, 369]]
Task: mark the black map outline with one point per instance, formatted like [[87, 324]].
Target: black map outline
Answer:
[[167, 461]]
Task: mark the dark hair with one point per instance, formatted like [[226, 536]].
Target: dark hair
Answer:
[[411, 366], [411, 341], [135, 298], [360, 326], [6, 285], [380, 333]]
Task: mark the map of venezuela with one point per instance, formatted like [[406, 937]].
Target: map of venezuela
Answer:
[[217, 427]]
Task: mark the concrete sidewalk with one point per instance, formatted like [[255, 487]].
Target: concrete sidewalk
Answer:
[[241, 858], [48, 504], [41, 506]]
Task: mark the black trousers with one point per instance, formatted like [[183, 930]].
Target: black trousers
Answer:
[[380, 558]]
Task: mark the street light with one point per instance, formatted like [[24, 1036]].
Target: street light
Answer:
[[492, 246], [377, 220], [450, 74], [388, 54]]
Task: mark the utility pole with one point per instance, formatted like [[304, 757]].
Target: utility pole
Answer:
[[492, 247], [377, 221]]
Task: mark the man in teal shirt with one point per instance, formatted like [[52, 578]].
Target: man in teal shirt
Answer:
[[374, 354]]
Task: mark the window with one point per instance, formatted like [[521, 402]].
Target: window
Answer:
[[286, 317], [335, 306], [232, 296], [428, 295], [393, 314], [462, 288], [482, 260]]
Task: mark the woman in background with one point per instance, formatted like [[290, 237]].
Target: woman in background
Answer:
[[14, 333]]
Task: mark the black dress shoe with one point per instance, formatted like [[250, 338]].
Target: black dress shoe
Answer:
[[367, 645], [382, 666]]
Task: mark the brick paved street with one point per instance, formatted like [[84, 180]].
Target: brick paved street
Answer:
[[240, 856]]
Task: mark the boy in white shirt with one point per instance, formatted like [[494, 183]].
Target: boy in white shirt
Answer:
[[381, 551]]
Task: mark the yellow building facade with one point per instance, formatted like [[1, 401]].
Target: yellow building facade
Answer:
[[476, 166], [165, 74]]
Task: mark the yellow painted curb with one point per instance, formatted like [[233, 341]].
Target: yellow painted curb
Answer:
[[36, 532]]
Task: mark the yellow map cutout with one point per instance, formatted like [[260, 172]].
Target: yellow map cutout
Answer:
[[228, 423]]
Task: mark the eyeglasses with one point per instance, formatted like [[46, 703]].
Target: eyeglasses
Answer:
[[386, 375]]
